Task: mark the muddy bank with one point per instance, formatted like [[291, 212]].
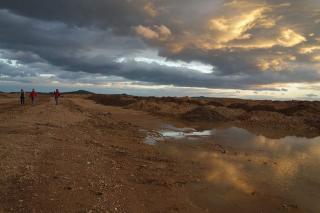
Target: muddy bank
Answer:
[[271, 118]]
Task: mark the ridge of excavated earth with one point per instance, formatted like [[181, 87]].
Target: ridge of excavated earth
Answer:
[[274, 119]]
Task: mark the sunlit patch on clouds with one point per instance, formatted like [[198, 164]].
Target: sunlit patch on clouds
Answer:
[[9, 62], [161, 33], [275, 63], [289, 38], [153, 58], [316, 58], [236, 26], [309, 49], [46, 75], [150, 9], [4, 76]]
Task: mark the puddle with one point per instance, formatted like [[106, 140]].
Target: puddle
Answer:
[[254, 171], [171, 132], [180, 135]]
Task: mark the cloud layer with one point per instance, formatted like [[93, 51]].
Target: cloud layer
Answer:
[[230, 44]]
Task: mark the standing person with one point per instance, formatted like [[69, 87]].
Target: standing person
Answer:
[[22, 96], [33, 95], [56, 95]]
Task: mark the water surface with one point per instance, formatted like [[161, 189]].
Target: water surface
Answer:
[[248, 172]]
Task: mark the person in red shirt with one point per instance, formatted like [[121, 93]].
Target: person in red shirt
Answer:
[[33, 95], [56, 95]]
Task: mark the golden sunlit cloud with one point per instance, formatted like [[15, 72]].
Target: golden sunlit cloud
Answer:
[[267, 23], [309, 50], [287, 38], [163, 31], [150, 9], [275, 63], [160, 33], [229, 29], [146, 32], [235, 31], [290, 38], [316, 58]]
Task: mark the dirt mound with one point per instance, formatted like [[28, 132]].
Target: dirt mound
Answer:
[[203, 114], [114, 100], [176, 100], [313, 122], [286, 108], [158, 107], [300, 110], [145, 106], [249, 108], [286, 116], [215, 103], [232, 114]]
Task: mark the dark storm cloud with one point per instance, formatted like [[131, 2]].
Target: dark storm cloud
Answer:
[[118, 14], [71, 48], [81, 36]]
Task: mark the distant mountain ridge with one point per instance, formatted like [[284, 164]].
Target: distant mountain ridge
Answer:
[[79, 92], [46, 93]]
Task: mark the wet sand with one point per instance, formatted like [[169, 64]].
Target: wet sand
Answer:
[[81, 156]]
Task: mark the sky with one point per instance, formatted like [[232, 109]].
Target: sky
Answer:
[[256, 49]]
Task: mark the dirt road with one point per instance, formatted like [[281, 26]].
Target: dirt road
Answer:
[[83, 157]]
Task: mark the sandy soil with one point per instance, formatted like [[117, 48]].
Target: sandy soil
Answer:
[[81, 156]]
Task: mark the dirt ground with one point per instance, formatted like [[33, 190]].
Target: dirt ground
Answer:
[[81, 156]]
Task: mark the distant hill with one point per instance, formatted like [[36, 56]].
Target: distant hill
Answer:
[[39, 93], [79, 92], [46, 93]]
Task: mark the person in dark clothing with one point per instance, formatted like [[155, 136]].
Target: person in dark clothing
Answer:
[[56, 95], [22, 97]]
